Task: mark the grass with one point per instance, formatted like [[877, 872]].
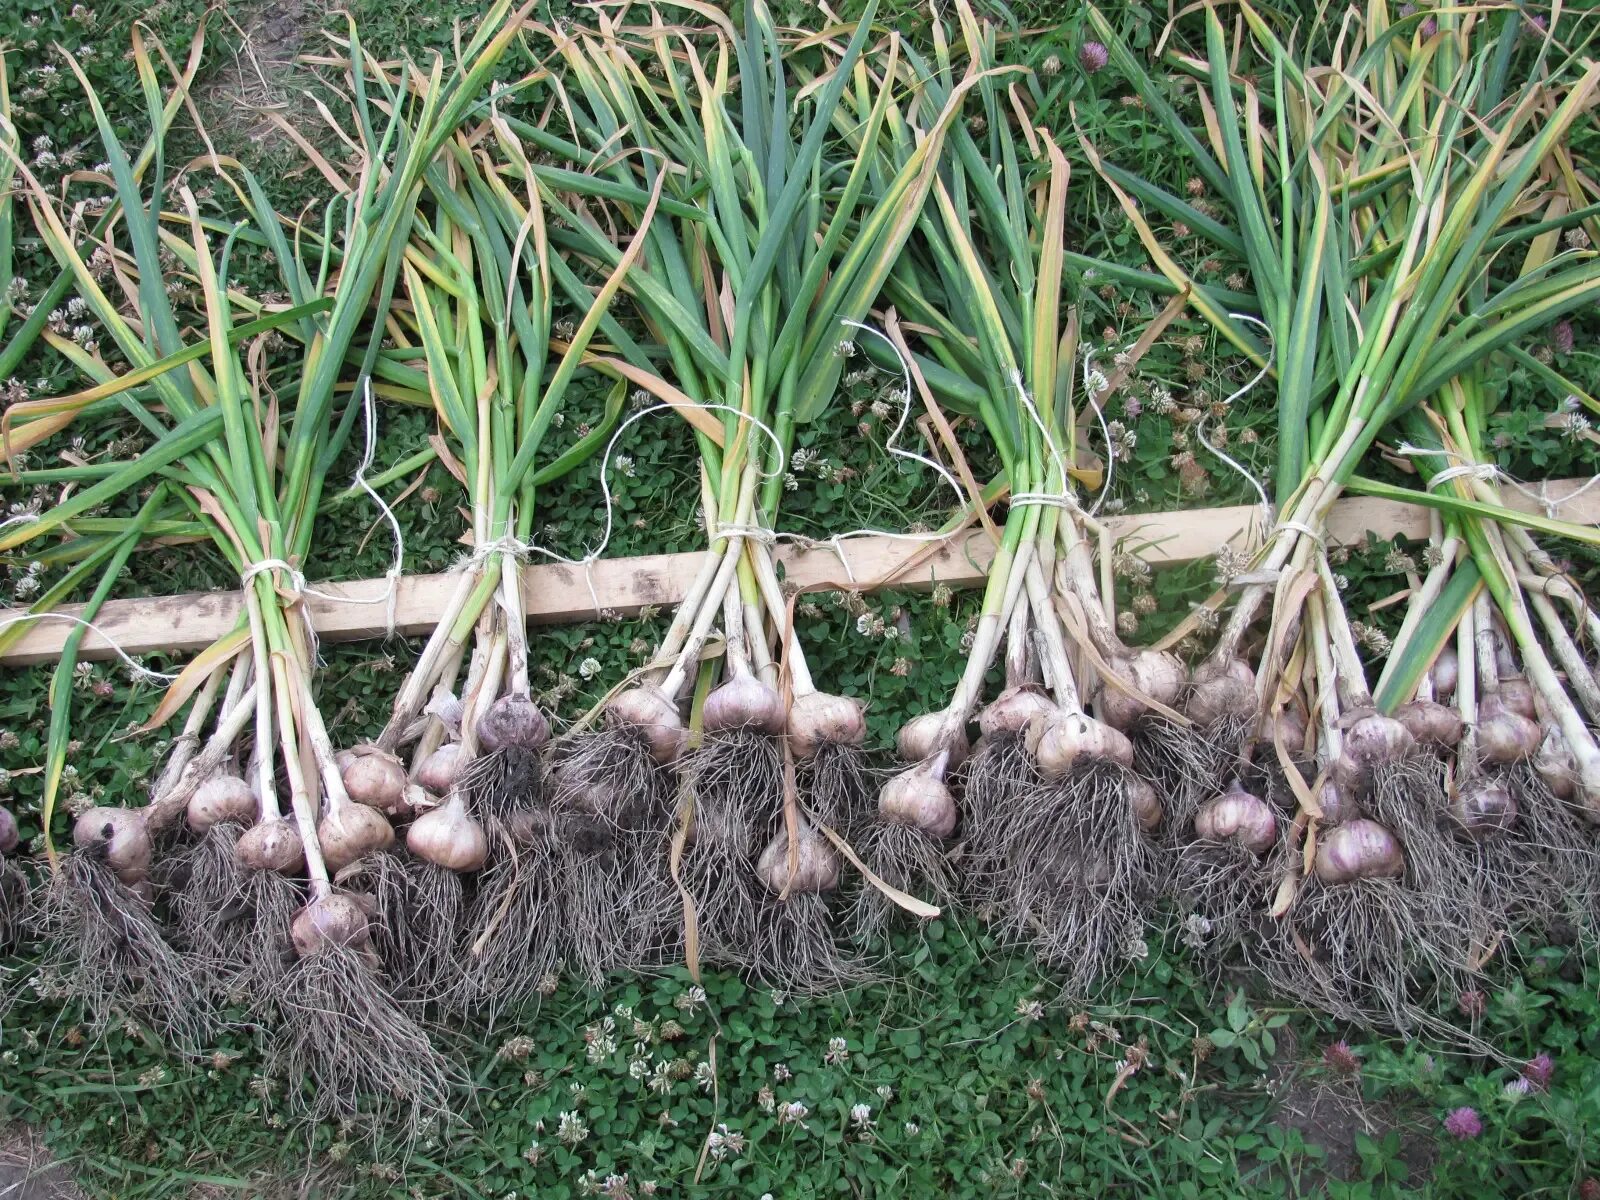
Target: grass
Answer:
[[995, 1083]]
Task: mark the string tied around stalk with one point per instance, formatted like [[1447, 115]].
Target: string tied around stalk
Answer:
[[1063, 499], [1300, 527], [1485, 472], [591, 556], [750, 533], [391, 578]]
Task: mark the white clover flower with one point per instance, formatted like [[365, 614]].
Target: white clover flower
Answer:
[[705, 1078], [912, 1129], [661, 1078], [793, 1112], [885, 1092], [838, 1052], [1030, 1010], [691, 999], [861, 1116], [722, 1142], [624, 464], [571, 1129], [589, 668], [781, 1073]]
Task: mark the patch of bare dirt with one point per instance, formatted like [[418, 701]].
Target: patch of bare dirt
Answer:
[[256, 46], [1331, 1112], [28, 1171]]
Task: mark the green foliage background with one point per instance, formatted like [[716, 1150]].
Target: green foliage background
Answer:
[[977, 1076]]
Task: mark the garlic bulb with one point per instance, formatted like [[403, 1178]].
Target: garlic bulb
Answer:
[[1155, 673], [512, 721], [1219, 690], [1290, 724], [1481, 808], [439, 771], [1070, 739], [223, 797], [652, 715], [337, 919], [933, 733], [1555, 765], [1238, 816], [1358, 849], [919, 798], [121, 835], [1517, 694], [744, 702], [271, 846], [1014, 709], [448, 837], [816, 867], [1145, 803], [10, 835], [1445, 673], [1336, 807], [375, 778], [1504, 735], [350, 831], [1375, 740], [818, 719], [1431, 724]]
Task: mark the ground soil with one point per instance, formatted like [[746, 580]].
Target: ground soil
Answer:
[[1331, 1112], [27, 1170]]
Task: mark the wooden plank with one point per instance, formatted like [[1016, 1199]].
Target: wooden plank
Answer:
[[557, 593]]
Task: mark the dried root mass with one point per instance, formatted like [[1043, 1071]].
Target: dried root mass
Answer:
[[347, 1050], [103, 942], [1373, 951], [205, 891], [515, 928], [905, 858], [1082, 877], [417, 916], [796, 951]]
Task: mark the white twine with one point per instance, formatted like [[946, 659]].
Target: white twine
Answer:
[[1199, 429], [521, 550], [1049, 499], [751, 533], [905, 410], [1105, 430], [835, 542], [1297, 527], [297, 579], [128, 661], [1552, 508], [1490, 473], [1486, 472], [391, 577]]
